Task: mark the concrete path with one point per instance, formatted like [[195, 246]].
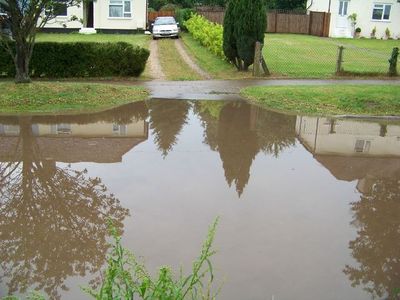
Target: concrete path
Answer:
[[229, 89]]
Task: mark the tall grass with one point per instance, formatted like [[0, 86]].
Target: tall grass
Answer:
[[127, 278]]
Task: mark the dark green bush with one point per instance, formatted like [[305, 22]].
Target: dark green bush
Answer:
[[182, 15], [244, 25], [60, 60]]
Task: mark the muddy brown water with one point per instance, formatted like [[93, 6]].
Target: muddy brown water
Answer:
[[309, 207]]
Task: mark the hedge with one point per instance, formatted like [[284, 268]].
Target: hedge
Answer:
[[80, 59], [209, 34]]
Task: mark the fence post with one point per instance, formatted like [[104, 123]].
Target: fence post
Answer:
[[339, 67], [393, 62]]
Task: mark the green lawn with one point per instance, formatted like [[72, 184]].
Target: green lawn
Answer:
[[55, 97], [216, 66], [135, 39], [304, 56], [329, 99]]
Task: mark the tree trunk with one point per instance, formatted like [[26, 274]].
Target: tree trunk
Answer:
[[22, 59]]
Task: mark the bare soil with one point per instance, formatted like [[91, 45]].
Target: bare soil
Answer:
[[155, 69]]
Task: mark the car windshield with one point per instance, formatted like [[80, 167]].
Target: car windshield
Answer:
[[165, 21]]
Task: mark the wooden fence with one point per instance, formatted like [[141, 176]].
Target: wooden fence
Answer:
[[314, 23], [152, 15]]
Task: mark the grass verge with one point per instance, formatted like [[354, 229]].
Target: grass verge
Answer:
[[380, 100], [172, 63], [45, 97]]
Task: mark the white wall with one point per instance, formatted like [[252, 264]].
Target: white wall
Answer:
[[103, 21], [363, 9], [63, 21]]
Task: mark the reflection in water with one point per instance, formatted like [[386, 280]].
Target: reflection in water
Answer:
[[53, 220], [376, 249], [167, 118], [53, 217], [367, 152], [239, 131]]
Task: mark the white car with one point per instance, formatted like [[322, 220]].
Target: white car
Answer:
[[165, 27]]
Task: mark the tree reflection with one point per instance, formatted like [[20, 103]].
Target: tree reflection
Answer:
[[376, 249], [239, 131], [53, 220], [167, 118]]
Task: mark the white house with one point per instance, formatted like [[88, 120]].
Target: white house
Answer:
[[379, 14], [101, 15]]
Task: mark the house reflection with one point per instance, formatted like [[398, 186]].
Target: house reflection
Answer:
[[323, 136], [90, 140], [368, 152]]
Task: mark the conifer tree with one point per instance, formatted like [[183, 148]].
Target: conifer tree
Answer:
[[244, 25], [229, 41]]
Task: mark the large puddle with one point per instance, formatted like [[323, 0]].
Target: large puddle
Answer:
[[309, 207]]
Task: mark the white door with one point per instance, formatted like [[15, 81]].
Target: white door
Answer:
[[343, 26]]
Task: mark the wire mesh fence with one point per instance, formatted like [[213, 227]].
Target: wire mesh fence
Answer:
[[364, 61], [309, 57]]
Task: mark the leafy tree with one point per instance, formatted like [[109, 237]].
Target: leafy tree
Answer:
[[23, 18], [246, 22], [221, 3], [159, 4], [286, 4]]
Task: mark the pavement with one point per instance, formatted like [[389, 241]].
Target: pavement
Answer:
[[229, 89]]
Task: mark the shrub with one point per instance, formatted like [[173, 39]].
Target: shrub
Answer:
[[60, 60], [182, 15], [207, 33]]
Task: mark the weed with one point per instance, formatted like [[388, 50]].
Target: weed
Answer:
[[127, 278]]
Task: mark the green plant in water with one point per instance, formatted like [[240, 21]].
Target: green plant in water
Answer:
[[126, 278]]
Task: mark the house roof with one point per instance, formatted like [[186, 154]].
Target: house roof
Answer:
[[351, 168]]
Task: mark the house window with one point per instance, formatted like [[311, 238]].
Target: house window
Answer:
[[120, 9], [362, 146], [343, 8], [119, 129], [63, 128], [381, 12], [58, 8]]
